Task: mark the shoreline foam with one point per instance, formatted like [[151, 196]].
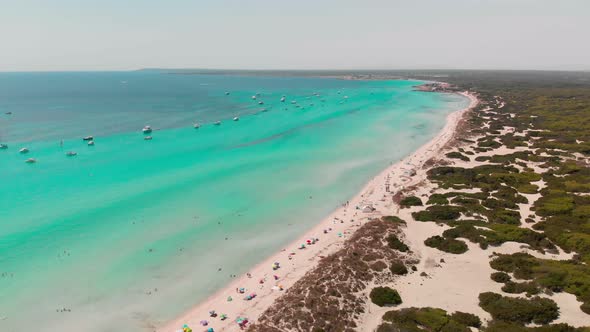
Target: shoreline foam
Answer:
[[342, 222]]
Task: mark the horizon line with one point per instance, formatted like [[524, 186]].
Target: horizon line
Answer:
[[292, 70]]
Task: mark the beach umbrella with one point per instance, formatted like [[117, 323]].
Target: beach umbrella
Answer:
[[210, 329]]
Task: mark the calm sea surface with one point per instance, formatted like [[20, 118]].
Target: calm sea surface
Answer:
[[131, 232]]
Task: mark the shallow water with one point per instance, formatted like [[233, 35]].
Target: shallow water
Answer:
[[129, 232]]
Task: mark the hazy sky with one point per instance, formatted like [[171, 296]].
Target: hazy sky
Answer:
[[294, 34]]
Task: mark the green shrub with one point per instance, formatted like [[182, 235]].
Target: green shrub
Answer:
[[398, 268], [394, 243], [425, 319], [527, 188], [410, 201], [509, 194], [393, 219], [518, 310], [557, 276], [385, 296], [492, 203], [439, 199], [501, 216], [457, 155], [521, 287], [466, 319], [554, 204], [439, 213], [446, 244], [500, 277], [501, 326]]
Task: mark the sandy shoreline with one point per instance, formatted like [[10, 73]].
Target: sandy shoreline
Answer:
[[331, 232]]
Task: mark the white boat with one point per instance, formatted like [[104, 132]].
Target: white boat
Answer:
[[71, 153], [217, 123], [260, 103], [253, 97], [147, 138], [31, 161], [236, 118], [88, 138], [293, 101], [197, 126], [23, 150], [91, 143], [283, 99], [3, 146], [147, 129]]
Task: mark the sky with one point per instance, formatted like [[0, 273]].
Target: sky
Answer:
[[55, 35]]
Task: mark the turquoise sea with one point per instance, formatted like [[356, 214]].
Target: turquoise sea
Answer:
[[130, 233]]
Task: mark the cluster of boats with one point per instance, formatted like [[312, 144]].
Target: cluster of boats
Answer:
[[147, 130]]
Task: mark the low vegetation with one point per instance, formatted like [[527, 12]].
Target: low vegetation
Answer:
[[410, 201], [457, 155], [327, 298], [398, 268], [518, 310], [385, 296], [446, 244], [551, 275], [427, 319]]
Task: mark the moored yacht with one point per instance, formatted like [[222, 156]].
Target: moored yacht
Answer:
[[147, 129], [236, 118], [3, 146], [217, 123], [31, 161], [91, 143], [23, 150], [197, 126], [71, 154], [88, 138]]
